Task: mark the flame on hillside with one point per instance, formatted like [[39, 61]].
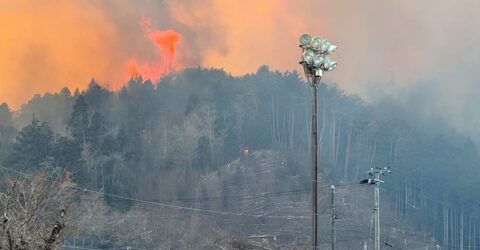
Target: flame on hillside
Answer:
[[165, 41]]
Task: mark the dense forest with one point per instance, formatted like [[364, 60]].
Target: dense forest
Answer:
[[209, 141]]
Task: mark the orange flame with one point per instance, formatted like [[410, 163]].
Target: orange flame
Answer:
[[166, 42]]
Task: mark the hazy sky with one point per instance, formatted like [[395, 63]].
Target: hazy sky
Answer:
[[48, 44]]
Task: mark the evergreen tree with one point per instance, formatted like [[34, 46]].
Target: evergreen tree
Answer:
[[67, 153], [5, 116], [33, 145], [79, 121], [96, 130], [7, 132], [97, 97], [203, 154]]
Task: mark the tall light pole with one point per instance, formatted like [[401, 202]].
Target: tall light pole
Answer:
[[315, 62]]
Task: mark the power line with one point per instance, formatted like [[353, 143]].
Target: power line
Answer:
[[261, 195], [87, 248], [244, 197], [184, 208], [177, 207]]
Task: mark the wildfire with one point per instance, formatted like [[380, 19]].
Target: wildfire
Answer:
[[166, 42]]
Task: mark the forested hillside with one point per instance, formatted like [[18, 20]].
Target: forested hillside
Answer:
[[183, 142]]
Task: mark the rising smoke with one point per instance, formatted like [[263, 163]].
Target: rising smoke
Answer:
[[47, 45]]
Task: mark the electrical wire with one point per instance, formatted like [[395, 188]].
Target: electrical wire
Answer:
[[177, 207]]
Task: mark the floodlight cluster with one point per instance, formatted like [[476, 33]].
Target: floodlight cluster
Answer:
[[315, 51]]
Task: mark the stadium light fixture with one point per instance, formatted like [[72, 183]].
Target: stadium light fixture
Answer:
[[315, 62], [316, 43], [305, 40], [308, 56]]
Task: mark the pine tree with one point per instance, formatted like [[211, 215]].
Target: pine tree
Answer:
[[33, 145], [96, 130], [203, 159], [67, 154], [7, 131], [5, 116], [79, 121]]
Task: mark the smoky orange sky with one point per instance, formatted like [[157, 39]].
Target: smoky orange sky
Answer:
[[46, 45]]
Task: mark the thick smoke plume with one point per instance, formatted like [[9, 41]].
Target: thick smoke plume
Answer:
[[46, 45]]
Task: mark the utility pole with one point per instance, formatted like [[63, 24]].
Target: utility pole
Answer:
[[334, 217], [375, 180], [315, 61], [376, 210]]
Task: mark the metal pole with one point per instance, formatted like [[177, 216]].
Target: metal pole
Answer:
[[314, 164], [315, 62], [332, 203], [375, 174], [377, 211]]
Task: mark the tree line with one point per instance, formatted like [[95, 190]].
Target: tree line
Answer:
[[156, 141]]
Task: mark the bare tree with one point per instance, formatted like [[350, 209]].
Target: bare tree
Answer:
[[33, 209]]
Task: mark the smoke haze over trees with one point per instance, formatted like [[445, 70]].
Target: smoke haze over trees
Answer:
[[183, 138]]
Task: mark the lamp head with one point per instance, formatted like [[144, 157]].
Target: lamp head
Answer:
[[305, 40], [328, 64], [308, 56], [331, 49], [325, 46], [333, 65], [318, 60], [316, 43]]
